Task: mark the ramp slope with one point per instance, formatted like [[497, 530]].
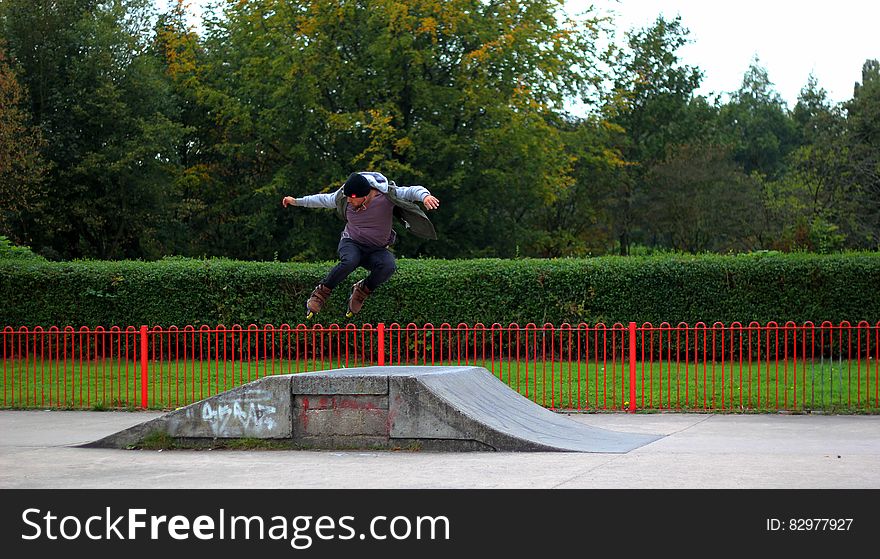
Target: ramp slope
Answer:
[[431, 408]]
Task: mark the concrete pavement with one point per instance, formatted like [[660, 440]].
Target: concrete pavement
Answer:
[[38, 449]]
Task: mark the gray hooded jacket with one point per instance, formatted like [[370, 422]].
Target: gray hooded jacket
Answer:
[[404, 198]]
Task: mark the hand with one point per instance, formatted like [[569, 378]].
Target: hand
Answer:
[[431, 202], [288, 201]]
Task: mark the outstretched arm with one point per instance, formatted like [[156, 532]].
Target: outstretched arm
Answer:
[[327, 200], [419, 194]]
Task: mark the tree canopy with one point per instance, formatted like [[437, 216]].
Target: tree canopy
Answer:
[[128, 134]]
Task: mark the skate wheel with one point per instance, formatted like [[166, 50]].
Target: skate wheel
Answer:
[[349, 314], [310, 316]]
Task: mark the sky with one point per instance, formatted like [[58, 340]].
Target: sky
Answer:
[[791, 38]]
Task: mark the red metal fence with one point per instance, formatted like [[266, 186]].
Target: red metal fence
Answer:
[[770, 367]]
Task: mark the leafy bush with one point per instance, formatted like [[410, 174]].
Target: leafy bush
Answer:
[[9, 251], [760, 287]]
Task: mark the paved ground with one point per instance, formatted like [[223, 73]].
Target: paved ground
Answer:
[[38, 450]]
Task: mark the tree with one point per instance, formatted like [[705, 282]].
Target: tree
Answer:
[[701, 201], [651, 101], [461, 96], [194, 214], [809, 205], [101, 103], [758, 124], [22, 168], [863, 141], [580, 221]]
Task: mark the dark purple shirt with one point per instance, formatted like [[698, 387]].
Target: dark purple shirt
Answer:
[[371, 225]]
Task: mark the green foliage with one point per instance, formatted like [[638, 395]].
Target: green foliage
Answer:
[[699, 200], [863, 143], [9, 251], [653, 103], [22, 168], [672, 288], [126, 134], [101, 103], [457, 96], [758, 124]]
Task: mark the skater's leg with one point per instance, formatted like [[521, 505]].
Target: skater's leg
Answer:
[[349, 259], [350, 256], [381, 264]]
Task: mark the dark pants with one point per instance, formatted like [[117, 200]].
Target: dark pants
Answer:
[[378, 260]]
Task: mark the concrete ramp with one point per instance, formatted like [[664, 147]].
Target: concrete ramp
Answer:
[[401, 407]]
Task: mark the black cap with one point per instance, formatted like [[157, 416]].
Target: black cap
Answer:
[[356, 185]]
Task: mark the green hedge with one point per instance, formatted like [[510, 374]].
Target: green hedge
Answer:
[[759, 287]]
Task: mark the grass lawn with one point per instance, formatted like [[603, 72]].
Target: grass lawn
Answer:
[[831, 386]]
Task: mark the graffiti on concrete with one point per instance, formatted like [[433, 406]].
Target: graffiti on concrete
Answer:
[[251, 414]]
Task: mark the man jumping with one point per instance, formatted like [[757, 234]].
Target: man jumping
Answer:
[[367, 201]]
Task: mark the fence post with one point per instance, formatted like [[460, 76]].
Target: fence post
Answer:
[[381, 342], [144, 373], [632, 367]]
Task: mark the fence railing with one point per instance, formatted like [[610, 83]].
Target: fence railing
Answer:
[[701, 367]]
